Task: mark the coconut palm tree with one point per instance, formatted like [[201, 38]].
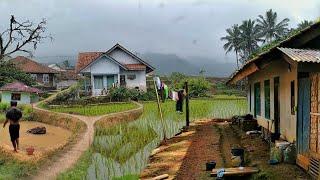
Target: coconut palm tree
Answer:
[[233, 40], [304, 24], [270, 28], [250, 38]]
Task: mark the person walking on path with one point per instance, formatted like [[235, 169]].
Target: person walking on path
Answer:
[[13, 116]]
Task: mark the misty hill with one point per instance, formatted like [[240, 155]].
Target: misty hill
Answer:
[[165, 64]]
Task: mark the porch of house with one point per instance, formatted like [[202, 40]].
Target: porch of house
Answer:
[[100, 84]]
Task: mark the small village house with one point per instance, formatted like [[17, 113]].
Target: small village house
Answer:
[[20, 93], [66, 76], [283, 86], [115, 67], [43, 75]]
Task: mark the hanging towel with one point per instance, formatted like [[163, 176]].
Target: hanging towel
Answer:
[[175, 96], [166, 91], [158, 82]]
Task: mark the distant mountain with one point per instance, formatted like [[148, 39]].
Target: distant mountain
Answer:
[[56, 59], [212, 67], [167, 63]]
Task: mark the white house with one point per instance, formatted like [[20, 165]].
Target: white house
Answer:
[[20, 93], [117, 66]]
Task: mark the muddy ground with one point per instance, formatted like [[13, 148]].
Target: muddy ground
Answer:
[[55, 138], [184, 156]]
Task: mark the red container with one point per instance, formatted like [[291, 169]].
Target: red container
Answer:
[[30, 151]]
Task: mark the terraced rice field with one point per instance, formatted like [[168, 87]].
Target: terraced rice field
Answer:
[[122, 152], [94, 110]]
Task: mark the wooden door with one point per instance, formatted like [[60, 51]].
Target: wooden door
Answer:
[[276, 104], [303, 124]]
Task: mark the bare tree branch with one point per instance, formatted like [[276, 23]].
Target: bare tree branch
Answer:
[[20, 35]]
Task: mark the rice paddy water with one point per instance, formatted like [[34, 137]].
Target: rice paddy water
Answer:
[[124, 149]]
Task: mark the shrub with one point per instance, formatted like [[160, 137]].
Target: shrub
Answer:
[[119, 94], [198, 86], [4, 106]]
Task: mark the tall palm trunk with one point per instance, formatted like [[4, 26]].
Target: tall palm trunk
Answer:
[[237, 59]]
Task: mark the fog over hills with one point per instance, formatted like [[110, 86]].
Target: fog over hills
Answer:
[[165, 64]]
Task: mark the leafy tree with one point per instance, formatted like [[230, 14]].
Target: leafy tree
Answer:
[[198, 86], [233, 41], [19, 36], [250, 37], [9, 73], [304, 24], [270, 28], [66, 63], [176, 78]]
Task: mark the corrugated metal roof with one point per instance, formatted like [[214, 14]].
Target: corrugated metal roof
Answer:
[[302, 55]]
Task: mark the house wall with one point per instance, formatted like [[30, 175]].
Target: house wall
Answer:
[[51, 83], [102, 66], [139, 81], [6, 98], [66, 83], [278, 68], [315, 113], [122, 57]]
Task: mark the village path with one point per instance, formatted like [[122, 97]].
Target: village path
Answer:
[[70, 157]]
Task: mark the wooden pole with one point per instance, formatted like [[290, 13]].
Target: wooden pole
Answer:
[[187, 105], [160, 110]]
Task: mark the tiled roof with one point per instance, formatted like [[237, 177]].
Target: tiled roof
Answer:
[[69, 75], [85, 58], [19, 87], [29, 66], [135, 67], [302, 55]]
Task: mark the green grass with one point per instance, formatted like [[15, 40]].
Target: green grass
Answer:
[[95, 110], [121, 152], [13, 169]]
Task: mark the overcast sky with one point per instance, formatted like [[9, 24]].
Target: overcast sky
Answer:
[[183, 27]]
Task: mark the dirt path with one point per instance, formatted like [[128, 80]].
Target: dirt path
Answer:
[[185, 155], [69, 158], [228, 139]]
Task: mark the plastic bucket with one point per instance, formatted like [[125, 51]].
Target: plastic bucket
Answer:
[[210, 165], [238, 152]]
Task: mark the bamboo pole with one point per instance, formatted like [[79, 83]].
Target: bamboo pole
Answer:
[[160, 110]]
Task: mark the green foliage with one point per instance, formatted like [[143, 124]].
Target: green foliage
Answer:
[[94, 110], [176, 78], [77, 173], [14, 169], [198, 87], [9, 73], [25, 108], [69, 94], [270, 28]]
